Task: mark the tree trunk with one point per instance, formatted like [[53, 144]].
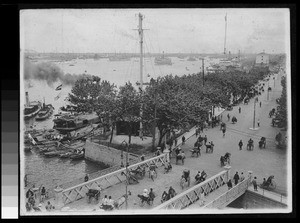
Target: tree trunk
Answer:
[[112, 132]]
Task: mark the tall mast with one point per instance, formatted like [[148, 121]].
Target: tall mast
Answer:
[[141, 68], [225, 33]]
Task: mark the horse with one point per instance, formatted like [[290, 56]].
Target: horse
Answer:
[[180, 157], [185, 179], [270, 184], [222, 161], [200, 178], [196, 151], [262, 142], [234, 120], [209, 148]]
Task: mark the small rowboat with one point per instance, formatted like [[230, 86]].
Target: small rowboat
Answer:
[[65, 155], [77, 156]]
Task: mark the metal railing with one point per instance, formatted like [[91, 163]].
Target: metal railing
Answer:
[[79, 191], [230, 195], [193, 194]]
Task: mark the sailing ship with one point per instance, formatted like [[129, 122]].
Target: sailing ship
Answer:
[[162, 60], [45, 112], [31, 108]]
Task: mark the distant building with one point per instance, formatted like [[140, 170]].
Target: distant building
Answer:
[[262, 60]]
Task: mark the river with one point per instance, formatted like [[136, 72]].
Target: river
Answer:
[[52, 171]]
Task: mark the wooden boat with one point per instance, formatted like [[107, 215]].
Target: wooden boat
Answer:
[[27, 148], [65, 155], [47, 149], [52, 153], [45, 112], [77, 156]]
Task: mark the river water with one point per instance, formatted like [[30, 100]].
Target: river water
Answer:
[[52, 171]]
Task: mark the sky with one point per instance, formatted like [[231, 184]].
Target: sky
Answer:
[[190, 30]]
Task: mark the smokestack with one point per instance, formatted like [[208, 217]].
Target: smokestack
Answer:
[[27, 98]]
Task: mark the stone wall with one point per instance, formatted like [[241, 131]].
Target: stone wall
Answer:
[[107, 155], [251, 200]]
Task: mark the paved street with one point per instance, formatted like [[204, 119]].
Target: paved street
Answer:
[[263, 162]]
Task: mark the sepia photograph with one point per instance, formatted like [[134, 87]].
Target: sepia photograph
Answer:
[[155, 111]]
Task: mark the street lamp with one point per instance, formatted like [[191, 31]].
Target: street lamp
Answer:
[[125, 144]]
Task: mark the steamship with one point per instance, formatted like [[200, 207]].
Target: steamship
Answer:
[[31, 108]]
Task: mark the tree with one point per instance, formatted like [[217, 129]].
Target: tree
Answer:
[[128, 106]]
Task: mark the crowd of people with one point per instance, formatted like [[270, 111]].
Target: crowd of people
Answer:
[[35, 197]]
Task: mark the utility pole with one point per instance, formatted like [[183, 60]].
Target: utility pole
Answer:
[[254, 114], [268, 92], [225, 33], [154, 130], [124, 143], [203, 71]]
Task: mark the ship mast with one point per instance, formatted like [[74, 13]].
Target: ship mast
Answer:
[[140, 30], [225, 33]]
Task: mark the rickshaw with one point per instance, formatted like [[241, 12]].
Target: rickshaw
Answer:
[[270, 184], [262, 142], [185, 178]]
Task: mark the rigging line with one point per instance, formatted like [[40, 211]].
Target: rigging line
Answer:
[[150, 58], [132, 61], [154, 58]]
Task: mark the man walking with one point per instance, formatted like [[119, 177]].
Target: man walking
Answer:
[[260, 104], [241, 144], [183, 140], [254, 184], [239, 109], [242, 177], [236, 178], [257, 122], [223, 130], [228, 116]]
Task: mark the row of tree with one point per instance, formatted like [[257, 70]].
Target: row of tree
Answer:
[[281, 114], [169, 102]]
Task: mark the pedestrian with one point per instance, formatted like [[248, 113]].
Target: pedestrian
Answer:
[[242, 177], [229, 184], [228, 116], [201, 128], [241, 144], [239, 109], [142, 157], [151, 195], [175, 141], [86, 178], [254, 184], [212, 146], [43, 194], [183, 140], [258, 122], [236, 178], [197, 132], [205, 139], [260, 104], [223, 130]]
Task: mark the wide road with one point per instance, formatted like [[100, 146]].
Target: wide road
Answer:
[[263, 162]]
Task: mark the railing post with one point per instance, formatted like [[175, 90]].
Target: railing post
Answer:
[[227, 168], [58, 197]]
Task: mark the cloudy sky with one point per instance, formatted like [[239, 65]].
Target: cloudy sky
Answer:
[[170, 30]]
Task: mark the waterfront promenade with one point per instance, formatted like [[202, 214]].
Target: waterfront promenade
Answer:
[[263, 162]]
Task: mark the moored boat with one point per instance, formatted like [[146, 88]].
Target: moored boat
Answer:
[[45, 112], [77, 155], [31, 108]]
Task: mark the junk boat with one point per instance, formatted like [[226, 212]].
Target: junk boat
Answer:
[[162, 60], [45, 112], [31, 109], [68, 123]]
